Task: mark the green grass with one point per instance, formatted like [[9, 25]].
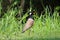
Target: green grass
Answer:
[[45, 27]]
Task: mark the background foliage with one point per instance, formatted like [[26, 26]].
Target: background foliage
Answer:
[[46, 27]]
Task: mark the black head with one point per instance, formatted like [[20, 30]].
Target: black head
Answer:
[[31, 13]]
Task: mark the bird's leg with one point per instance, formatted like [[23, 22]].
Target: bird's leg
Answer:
[[30, 32]]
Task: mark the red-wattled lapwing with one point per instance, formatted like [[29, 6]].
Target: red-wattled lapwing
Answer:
[[29, 23]]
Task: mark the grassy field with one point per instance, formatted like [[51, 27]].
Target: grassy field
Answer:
[[45, 27]]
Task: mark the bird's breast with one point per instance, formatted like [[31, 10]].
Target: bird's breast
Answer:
[[30, 22]]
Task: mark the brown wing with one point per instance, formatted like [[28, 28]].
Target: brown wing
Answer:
[[28, 24]]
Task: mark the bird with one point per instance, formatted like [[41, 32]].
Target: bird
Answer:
[[29, 23]]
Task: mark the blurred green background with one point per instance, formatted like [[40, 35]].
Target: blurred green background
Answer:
[[46, 20]]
